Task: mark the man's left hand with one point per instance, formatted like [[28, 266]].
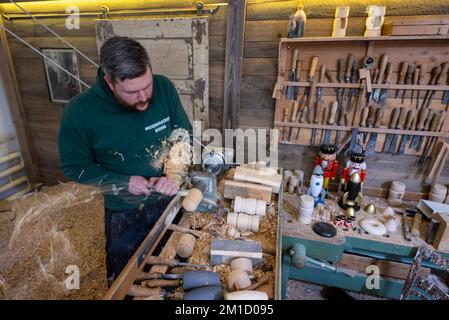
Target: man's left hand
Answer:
[[164, 185]]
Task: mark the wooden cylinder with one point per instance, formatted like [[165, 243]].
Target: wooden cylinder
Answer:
[[306, 201], [417, 219], [388, 212], [391, 224], [140, 291], [185, 245], [246, 295], [439, 189], [436, 197], [398, 186], [395, 198], [242, 264], [192, 200], [250, 206], [238, 280], [292, 184], [243, 222]]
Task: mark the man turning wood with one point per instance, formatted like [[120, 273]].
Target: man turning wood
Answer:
[[117, 135]]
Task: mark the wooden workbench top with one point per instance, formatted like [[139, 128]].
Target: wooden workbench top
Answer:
[[292, 227]]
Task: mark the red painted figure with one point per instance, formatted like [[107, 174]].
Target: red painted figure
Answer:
[[327, 159], [355, 164]]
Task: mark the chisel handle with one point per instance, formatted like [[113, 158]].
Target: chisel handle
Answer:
[[382, 67], [371, 115], [322, 73], [422, 118], [409, 75], [429, 119], [442, 118], [435, 121], [402, 117], [294, 111], [332, 112], [402, 72], [388, 73], [379, 115], [411, 115], [422, 72], [394, 118], [375, 75], [341, 70], [436, 71], [443, 73], [158, 283], [349, 63], [325, 117], [331, 76], [364, 116], [294, 58], [416, 224], [313, 67], [416, 75], [298, 71]]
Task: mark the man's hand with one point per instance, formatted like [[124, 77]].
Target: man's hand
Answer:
[[139, 185], [164, 185]]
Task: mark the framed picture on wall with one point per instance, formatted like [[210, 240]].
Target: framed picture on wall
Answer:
[[61, 86]]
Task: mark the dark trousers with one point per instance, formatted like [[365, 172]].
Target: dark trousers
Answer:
[[125, 231]]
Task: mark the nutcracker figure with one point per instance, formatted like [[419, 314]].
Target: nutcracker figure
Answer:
[[355, 164], [327, 159]]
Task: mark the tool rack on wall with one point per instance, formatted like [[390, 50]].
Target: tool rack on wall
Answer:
[[311, 122]]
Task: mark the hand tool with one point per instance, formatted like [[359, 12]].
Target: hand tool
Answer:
[[371, 146], [292, 76], [426, 126], [349, 63], [363, 119], [436, 71], [364, 76], [196, 233], [153, 260], [295, 106], [303, 114], [332, 110], [445, 99], [435, 126], [380, 76], [393, 122], [439, 81], [422, 72], [408, 78], [341, 78], [370, 119], [387, 79], [189, 280], [354, 79], [286, 130], [332, 79], [422, 116], [326, 111], [415, 82], [401, 78], [374, 75], [399, 125], [318, 104], [409, 125], [298, 77]]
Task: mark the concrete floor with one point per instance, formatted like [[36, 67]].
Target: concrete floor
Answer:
[[299, 290]]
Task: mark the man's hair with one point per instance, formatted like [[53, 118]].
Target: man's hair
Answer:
[[123, 58]]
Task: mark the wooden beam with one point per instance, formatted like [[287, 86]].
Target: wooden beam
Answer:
[[9, 80], [235, 32]]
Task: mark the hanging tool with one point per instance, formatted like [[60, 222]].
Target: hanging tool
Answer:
[[422, 116], [380, 76], [189, 279], [401, 78], [295, 106], [422, 72], [436, 71], [435, 126], [408, 79], [292, 76], [374, 75], [326, 111], [332, 111], [371, 146], [286, 130], [393, 121], [304, 117], [387, 79], [363, 118], [370, 119], [341, 78], [414, 82], [439, 81], [409, 125], [399, 126], [354, 79], [427, 124], [344, 75], [348, 73], [298, 76], [318, 104]]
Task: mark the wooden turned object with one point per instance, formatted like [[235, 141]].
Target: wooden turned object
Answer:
[[185, 246], [244, 264], [250, 206], [246, 295], [192, 200], [238, 280]]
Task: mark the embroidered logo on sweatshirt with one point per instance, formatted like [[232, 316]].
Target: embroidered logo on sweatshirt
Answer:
[[158, 126]]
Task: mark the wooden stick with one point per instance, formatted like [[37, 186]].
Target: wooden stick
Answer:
[[440, 168]]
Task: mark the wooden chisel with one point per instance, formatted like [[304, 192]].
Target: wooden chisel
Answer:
[[439, 81], [422, 116], [401, 78], [436, 71], [371, 146], [393, 121], [332, 110], [380, 76], [408, 78], [399, 125], [422, 72], [387, 79], [409, 124], [292, 76]]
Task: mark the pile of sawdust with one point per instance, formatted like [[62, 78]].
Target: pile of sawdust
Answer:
[[48, 233], [177, 161]]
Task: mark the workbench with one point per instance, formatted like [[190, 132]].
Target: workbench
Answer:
[[162, 242], [350, 249]]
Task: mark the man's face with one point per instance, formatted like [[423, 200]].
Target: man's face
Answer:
[[133, 94]]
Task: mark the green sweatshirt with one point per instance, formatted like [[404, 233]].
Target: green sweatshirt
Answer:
[[101, 143]]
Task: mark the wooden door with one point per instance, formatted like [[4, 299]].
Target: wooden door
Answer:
[[178, 49]]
